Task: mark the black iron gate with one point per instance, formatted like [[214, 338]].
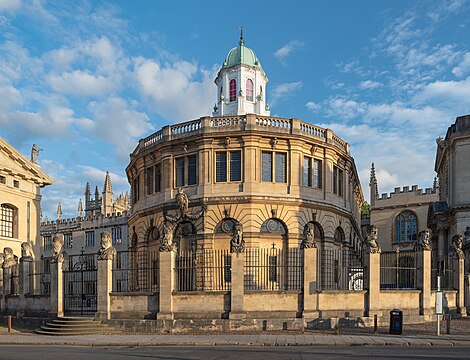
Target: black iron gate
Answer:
[[80, 285]]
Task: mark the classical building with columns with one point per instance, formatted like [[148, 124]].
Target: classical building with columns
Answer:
[[21, 180]]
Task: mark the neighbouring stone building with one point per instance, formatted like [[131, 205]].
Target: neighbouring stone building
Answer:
[[21, 180], [400, 215], [101, 213]]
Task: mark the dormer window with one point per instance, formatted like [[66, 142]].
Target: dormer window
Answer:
[[249, 90], [233, 90]]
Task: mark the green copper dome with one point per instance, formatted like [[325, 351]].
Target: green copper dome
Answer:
[[241, 55]]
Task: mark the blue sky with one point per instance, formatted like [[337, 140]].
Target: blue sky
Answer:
[[86, 79]]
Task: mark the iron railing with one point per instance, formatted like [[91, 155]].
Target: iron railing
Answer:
[[341, 269], [40, 276], [136, 271], [398, 270], [15, 279], [444, 268], [203, 270], [273, 269]]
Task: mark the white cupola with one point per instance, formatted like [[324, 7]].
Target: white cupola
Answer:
[[241, 84]]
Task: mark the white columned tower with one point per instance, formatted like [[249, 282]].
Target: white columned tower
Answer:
[[241, 84]]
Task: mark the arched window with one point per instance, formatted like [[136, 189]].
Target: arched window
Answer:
[[406, 227], [233, 90], [249, 90], [339, 235], [7, 221]]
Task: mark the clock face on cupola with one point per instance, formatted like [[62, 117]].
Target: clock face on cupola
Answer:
[[241, 84]]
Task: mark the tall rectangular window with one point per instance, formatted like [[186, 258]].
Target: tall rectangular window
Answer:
[[158, 178], [179, 172], [150, 180], [89, 238], [266, 166], [192, 170], [6, 221], [221, 167], [335, 179], [338, 183], [47, 242], [68, 240], [235, 166], [135, 189], [307, 171], [281, 167], [317, 174], [116, 235]]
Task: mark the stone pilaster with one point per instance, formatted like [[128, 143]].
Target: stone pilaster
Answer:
[[57, 290], [459, 284], [424, 282], [310, 284], [167, 285], [373, 268], [237, 294], [105, 285]]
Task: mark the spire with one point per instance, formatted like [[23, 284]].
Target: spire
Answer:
[[80, 208], [435, 184], [374, 189], [97, 193], [59, 211], [107, 184], [373, 179], [87, 192], [242, 43]]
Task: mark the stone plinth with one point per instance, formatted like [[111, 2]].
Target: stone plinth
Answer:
[[57, 290], [373, 266], [167, 285], [310, 284], [105, 285], [424, 282], [237, 300]]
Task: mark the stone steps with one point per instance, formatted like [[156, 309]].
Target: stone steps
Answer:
[[73, 326]]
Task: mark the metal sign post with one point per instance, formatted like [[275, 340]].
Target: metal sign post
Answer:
[[439, 307]]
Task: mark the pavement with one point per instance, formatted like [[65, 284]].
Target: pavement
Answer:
[[232, 339]]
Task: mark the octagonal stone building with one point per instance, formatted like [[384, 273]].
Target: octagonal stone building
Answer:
[[243, 182]]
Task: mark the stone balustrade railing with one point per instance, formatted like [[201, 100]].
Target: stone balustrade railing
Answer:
[[242, 123]]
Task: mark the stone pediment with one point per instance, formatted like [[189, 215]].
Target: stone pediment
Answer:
[[14, 163]]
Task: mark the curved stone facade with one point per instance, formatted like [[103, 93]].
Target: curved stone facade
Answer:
[[272, 176]]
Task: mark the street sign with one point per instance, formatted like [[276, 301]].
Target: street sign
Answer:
[[439, 307]]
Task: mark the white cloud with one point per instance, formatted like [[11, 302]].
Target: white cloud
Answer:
[[9, 97], [370, 85], [401, 158], [9, 5], [394, 114], [454, 91], [178, 91], [288, 48], [313, 106], [283, 91], [118, 123], [81, 83], [463, 67]]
